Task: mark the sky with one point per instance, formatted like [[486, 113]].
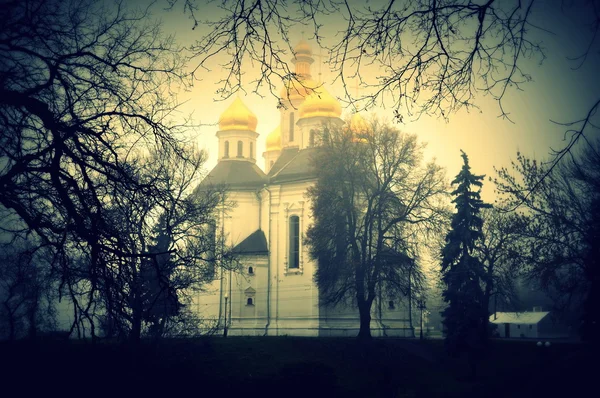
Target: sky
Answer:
[[558, 92]]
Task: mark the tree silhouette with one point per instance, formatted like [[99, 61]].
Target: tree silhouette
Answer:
[[561, 230], [414, 56], [86, 92], [372, 200], [27, 289], [466, 317], [501, 250]]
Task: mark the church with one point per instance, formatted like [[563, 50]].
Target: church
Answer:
[[274, 293]]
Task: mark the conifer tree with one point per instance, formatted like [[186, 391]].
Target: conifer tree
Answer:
[[466, 317]]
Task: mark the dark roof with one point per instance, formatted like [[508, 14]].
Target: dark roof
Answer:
[[235, 174], [255, 243], [284, 158], [293, 165]]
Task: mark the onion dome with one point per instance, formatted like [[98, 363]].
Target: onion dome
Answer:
[[303, 48], [237, 117], [320, 103], [274, 140]]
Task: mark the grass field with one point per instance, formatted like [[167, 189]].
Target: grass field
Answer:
[[296, 367]]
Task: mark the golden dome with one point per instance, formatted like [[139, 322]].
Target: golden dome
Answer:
[[303, 48], [294, 90], [274, 140], [237, 117], [358, 127], [320, 103]]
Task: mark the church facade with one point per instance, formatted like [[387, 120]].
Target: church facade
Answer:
[[273, 293]]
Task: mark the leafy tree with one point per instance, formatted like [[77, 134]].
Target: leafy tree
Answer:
[[561, 206], [372, 201], [463, 273]]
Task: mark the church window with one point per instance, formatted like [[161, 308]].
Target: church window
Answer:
[[240, 149], [294, 257], [311, 139], [226, 154], [250, 270], [291, 126], [249, 301], [251, 151], [391, 305]]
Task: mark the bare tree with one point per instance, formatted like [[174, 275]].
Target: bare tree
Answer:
[[562, 228], [500, 251], [85, 91], [417, 57], [27, 289], [372, 202]]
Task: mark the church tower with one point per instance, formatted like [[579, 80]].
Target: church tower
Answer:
[[237, 133], [318, 112], [293, 94]]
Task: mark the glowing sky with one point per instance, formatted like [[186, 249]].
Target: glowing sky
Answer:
[[557, 92]]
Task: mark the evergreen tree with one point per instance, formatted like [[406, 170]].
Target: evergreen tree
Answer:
[[466, 317]]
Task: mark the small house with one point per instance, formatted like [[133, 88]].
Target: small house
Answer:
[[522, 324]]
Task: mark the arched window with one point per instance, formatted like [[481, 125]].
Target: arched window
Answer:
[[291, 126], [251, 151], [311, 138], [226, 154], [391, 305], [250, 270], [240, 149], [294, 258], [249, 301]]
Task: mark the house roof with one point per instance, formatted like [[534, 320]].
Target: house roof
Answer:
[[235, 174], [255, 243], [518, 317]]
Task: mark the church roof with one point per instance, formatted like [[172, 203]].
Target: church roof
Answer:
[[236, 174], [293, 165], [255, 243]]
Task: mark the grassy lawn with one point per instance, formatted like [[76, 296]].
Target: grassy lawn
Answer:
[[297, 367]]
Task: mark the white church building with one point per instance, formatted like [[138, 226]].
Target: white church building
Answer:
[[274, 293]]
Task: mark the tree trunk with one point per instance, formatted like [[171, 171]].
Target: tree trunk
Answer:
[[364, 310], [11, 322], [32, 313], [136, 327]]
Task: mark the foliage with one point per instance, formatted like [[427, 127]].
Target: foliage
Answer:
[[466, 317], [372, 201]]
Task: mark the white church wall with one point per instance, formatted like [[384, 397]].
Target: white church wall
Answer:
[[295, 296], [242, 220]]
